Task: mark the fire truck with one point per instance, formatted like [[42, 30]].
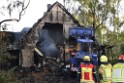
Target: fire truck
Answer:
[[81, 42]]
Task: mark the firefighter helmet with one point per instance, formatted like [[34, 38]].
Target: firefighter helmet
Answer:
[[121, 57], [67, 50], [103, 58], [87, 58]]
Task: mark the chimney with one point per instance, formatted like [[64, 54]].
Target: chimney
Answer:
[[48, 6]]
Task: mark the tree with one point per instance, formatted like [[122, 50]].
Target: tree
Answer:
[[8, 9], [101, 15], [94, 12], [97, 13]]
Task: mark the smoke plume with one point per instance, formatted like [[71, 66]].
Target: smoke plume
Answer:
[[47, 45]]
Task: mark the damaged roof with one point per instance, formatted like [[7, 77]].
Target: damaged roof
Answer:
[[55, 14]]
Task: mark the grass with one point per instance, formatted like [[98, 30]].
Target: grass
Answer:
[[8, 76]]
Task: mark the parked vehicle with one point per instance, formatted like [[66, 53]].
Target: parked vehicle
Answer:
[[81, 41]]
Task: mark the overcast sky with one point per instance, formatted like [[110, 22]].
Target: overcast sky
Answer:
[[35, 11]]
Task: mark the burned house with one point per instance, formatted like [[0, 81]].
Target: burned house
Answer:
[[47, 33], [9, 47]]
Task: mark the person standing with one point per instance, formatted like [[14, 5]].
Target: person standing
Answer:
[[87, 71], [74, 64], [105, 70], [118, 70]]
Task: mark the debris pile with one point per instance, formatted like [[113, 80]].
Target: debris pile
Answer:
[[47, 74]]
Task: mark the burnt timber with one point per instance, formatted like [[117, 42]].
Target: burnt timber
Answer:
[[57, 20]]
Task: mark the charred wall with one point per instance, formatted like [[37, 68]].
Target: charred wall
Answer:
[[56, 21]]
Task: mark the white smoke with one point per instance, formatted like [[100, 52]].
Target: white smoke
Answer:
[[47, 45]]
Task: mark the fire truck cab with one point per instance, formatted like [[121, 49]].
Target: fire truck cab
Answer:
[[81, 43]]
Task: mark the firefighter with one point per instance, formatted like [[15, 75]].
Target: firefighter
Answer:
[[118, 71], [94, 57], [105, 70], [74, 64], [87, 71]]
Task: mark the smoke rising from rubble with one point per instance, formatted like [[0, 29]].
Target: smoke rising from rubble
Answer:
[[47, 45]]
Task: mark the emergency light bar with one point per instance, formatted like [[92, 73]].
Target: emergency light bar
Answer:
[[81, 32]]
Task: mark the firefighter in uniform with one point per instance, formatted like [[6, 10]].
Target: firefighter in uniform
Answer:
[[118, 71], [87, 71], [105, 70]]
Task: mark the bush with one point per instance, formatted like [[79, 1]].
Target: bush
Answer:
[[9, 76], [3, 80], [5, 60]]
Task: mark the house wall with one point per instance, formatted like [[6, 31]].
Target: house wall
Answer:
[[27, 59], [56, 14]]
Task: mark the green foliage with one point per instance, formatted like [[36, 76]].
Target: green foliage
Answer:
[[115, 39], [5, 60], [5, 57], [122, 48], [95, 11], [98, 13], [8, 76], [121, 38], [3, 80]]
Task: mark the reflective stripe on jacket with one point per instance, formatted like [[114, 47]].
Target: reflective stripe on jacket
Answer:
[[107, 72], [87, 73], [118, 72]]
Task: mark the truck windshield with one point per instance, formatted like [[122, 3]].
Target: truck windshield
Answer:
[[81, 46], [85, 47]]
